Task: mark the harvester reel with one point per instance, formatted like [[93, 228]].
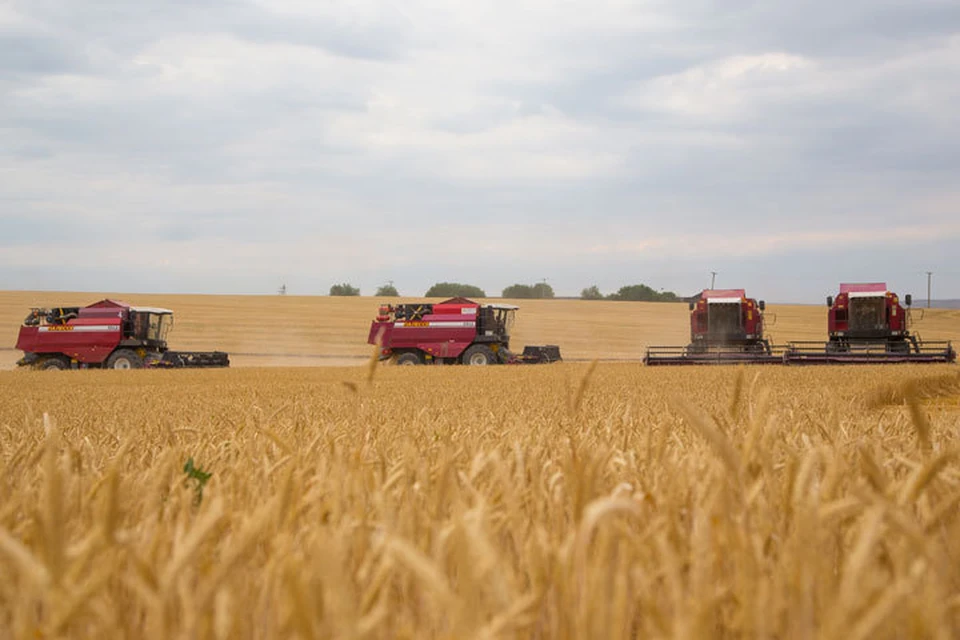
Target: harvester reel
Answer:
[[899, 347], [837, 347]]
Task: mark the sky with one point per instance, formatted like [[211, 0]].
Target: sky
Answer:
[[232, 146]]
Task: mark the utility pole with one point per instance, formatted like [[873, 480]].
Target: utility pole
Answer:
[[929, 276], [713, 278]]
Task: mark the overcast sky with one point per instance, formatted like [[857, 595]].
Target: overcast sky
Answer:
[[230, 146]]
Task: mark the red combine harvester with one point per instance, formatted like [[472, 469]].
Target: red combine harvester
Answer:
[[450, 332], [726, 327], [867, 324], [107, 334]]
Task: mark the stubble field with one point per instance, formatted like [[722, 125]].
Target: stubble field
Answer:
[[576, 500]]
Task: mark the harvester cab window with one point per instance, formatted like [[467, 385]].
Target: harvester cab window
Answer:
[[152, 326], [495, 321], [159, 326], [508, 316], [868, 313], [724, 318]]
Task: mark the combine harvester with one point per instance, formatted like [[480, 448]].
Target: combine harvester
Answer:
[[456, 331], [108, 334], [726, 327], [868, 325]]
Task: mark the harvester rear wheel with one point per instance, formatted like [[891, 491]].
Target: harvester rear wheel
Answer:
[[54, 363], [124, 359], [479, 355], [409, 358]]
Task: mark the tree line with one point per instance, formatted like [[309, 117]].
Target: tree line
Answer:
[[633, 293], [538, 291]]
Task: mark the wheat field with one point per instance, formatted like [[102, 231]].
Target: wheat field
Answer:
[[575, 500]]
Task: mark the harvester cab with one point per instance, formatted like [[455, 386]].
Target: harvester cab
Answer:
[[725, 327], [496, 321], [148, 326], [866, 323]]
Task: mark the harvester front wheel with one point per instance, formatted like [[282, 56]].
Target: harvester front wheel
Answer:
[[124, 359], [408, 359], [479, 355], [54, 363]]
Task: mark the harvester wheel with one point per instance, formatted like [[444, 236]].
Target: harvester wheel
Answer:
[[409, 358], [124, 359], [479, 354], [54, 363]]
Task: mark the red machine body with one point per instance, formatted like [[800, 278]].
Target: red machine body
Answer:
[[107, 333], [457, 330], [87, 334]]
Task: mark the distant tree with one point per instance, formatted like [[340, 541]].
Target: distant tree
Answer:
[[454, 289], [643, 293], [344, 290], [526, 291], [542, 290], [522, 291], [591, 293], [387, 291]]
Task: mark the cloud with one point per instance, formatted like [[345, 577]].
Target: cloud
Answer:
[[368, 139], [725, 89]]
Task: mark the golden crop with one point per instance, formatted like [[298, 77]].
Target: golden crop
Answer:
[[565, 501]]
